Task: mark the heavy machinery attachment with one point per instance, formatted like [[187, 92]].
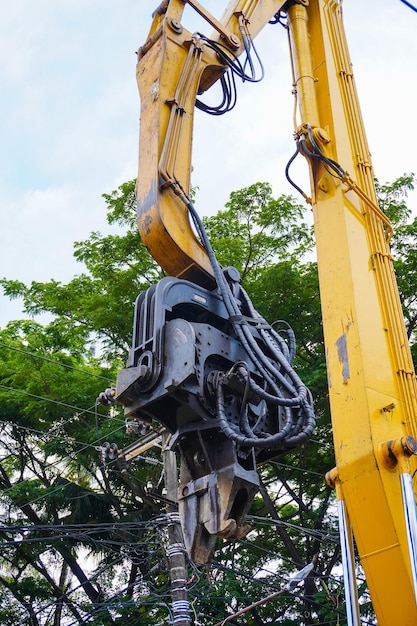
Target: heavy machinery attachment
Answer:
[[207, 366]]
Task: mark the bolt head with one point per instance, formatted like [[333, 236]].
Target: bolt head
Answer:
[[234, 39], [176, 26]]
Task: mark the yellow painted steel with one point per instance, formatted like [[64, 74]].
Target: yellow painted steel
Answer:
[[372, 383], [167, 109], [173, 66]]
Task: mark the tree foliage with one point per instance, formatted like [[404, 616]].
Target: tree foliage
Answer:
[[393, 200], [83, 536]]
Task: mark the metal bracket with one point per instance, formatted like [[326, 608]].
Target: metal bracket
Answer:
[[215, 492]]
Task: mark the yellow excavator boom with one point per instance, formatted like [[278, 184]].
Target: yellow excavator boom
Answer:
[[372, 384]]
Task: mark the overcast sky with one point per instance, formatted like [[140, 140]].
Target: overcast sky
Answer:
[[69, 117]]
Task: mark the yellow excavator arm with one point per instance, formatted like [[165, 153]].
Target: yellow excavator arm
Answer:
[[174, 66], [372, 384]]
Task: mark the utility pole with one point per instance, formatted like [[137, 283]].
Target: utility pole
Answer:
[[175, 550]]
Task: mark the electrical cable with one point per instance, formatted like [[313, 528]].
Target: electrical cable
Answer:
[[28, 429], [48, 360], [50, 433], [114, 562], [270, 585], [294, 467], [110, 603], [152, 523], [86, 532], [71, 456], [37, 397], [316, 534], [273, 556], [409, 5], [101, 606]]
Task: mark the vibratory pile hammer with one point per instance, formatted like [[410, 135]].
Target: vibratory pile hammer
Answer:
[[203, 361], [209, 368]]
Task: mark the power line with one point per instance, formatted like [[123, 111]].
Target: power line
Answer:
[[295, 467], [159, 521], [80, 536], [95, 444], [110, 603], [150, 598], [316, 534], [33, 395], [70, 530], [79, 410], [270, 585], [257, 519], [51, 434], [409, 5], [80, 587], [48, 360], [62, 460]]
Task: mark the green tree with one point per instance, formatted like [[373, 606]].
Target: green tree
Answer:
[[61, 504], [393, 200], [83, 536]]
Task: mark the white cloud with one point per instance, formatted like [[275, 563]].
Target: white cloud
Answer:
[[39, 231], [69, 113]]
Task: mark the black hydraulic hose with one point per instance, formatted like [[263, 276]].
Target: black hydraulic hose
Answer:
[[230, 431], [295, 401], [291, 343], [271, 372], [287, 172], [268, 369], [279, 356], [287, 349], [268, 442], [249, 45], [228, 297], [234, 67], [331, 166], [245, 426], [229, 90], [233, 62], [334, 165]]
